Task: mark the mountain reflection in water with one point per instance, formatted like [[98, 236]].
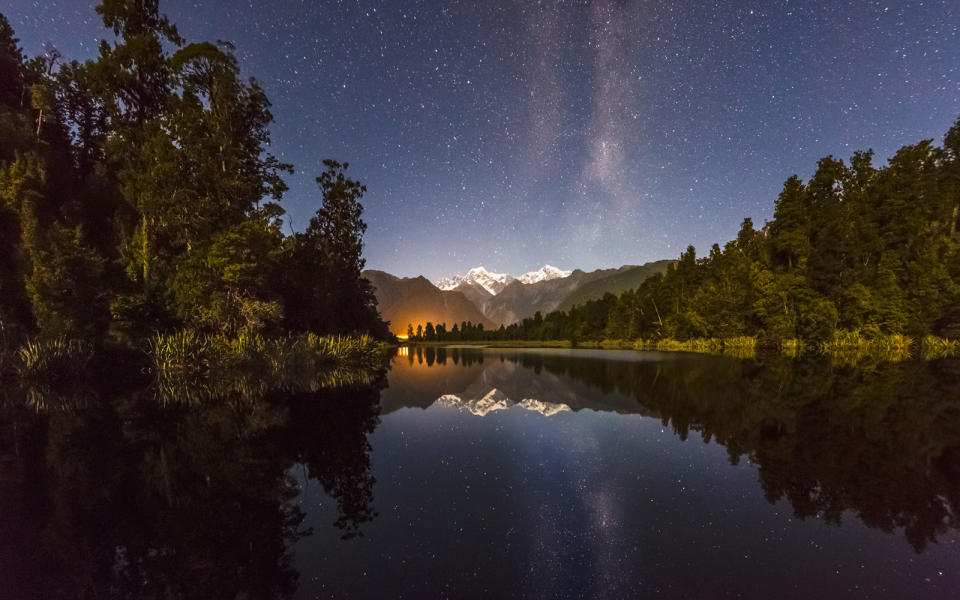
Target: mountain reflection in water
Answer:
[[461, 452], [883, 441]]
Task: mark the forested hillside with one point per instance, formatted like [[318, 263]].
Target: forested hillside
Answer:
[[625, 278], [858, 249], [137, 194]]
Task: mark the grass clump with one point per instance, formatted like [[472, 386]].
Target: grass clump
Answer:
[[298, 352], [54, 359], [180, 353], [792, 347], [740, 347], [190, 352], [853, 346], [190, 367], [355, 351], [937, 347], [53, 373]]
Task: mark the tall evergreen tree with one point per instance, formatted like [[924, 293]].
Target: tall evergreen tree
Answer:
[[324, 289]]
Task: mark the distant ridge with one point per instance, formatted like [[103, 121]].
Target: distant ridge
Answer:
[[518, 301], [470, 297], [477, 294]]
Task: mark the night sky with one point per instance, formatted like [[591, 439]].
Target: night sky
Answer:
[[580, 134]]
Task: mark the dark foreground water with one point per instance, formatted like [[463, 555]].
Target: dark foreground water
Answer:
[[470, 473]]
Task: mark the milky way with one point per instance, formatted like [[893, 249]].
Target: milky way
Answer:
[[580, 134]]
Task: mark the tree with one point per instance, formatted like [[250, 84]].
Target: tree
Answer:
[[325, 291], [231, 289], [16, 319], [141, 181], [66, 284], [12, 75], [135, 71]]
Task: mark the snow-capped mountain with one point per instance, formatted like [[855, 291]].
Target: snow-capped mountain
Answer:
[[545, 273], [495, 282], [495, 299], [492, 282]]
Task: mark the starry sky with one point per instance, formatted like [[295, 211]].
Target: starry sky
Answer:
[[584, 134]]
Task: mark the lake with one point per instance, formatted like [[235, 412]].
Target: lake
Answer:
[[488, 473]]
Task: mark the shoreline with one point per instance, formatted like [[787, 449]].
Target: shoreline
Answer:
[[845, 346]]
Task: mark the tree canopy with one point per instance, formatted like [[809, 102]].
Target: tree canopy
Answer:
[[137, 194]]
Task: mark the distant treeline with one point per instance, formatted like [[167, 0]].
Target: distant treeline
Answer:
[[856, 249], [137, 195]]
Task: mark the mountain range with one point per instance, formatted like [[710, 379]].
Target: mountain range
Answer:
[[496, 282], [495, 299]]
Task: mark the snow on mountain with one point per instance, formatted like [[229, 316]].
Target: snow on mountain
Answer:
[[495, 282], [545, 273], [492, 282]]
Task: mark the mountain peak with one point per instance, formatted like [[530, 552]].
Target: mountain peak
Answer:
[[492, 282], [496, 282], [545, 273]]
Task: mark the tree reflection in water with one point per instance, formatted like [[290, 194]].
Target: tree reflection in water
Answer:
[[126, 497], [882, 441], [148, 493]]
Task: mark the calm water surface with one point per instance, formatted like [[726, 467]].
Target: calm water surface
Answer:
[[499, 473]]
